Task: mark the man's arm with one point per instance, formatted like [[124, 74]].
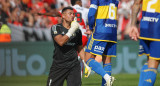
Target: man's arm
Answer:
[[81, 52], [60, 39], [135, 10], [134, 33], [92, 13], [52, 14]]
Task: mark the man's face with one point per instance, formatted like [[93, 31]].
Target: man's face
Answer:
[[68, 15]]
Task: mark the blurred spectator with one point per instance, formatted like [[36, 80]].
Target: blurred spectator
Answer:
[[65, 3], [15, 19], [26, 5], [27, 19], [86, 3], [3, 16], [5, 33], [124, 11], [62, 6], [1, 25], [23, 13], [50, 2]]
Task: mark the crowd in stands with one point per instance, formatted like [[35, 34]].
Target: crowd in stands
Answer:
[[124, 13], [24, 13]]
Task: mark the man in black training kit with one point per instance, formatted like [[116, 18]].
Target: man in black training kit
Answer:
[[67, 40]]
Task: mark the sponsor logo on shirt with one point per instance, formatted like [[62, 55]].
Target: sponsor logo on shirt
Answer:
[[111, 25], [150, 19]]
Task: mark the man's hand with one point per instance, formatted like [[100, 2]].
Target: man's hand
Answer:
[[88, 31], [134, 33], [74, 27], [74, 24]]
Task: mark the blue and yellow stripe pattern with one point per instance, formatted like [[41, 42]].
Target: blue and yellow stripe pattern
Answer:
[[150, 22], [102, 18]]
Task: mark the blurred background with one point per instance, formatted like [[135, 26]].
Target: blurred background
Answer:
[[26, 46], [22, 21]]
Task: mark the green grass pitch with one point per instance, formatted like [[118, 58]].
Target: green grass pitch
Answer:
[[93, 80]]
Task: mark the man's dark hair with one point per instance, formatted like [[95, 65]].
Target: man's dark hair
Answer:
[[66, 8], [73, 2]]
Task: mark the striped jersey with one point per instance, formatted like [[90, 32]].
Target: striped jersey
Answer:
[[150, 22], [102, 20], [81, 14]]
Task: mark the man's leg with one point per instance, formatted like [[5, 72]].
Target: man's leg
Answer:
[[144, 48], [142, 74], [151, 72], [107, 67], [109, 52], [74, 76], [84, 43], [96, 66], [98, 58], [153, 62], [57, 76]]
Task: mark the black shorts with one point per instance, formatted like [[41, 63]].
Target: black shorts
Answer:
[[58, 75]]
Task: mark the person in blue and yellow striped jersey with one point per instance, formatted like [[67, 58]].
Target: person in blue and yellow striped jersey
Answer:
[[149, 37], [103, 23]]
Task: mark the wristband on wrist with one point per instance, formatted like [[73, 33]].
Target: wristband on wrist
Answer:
[[68, 34]]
